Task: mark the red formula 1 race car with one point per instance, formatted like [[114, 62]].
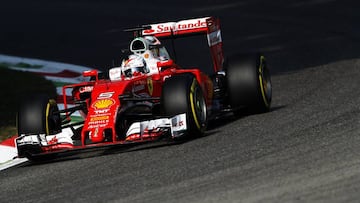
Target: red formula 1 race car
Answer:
[[148, 97]]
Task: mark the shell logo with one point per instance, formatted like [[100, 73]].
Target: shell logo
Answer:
[[103, 103]]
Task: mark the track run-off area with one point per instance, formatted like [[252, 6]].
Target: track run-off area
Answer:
[[306, 149]]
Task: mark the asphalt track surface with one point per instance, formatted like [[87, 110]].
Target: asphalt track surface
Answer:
[[305, 150]]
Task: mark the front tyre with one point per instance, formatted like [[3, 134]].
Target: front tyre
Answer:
[[38, 115], [249, 83], [183, 94]]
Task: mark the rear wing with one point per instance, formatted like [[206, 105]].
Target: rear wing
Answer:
[[209, 26]]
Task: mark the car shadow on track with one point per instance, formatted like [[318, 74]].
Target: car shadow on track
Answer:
[[101, 151], [229, 118]]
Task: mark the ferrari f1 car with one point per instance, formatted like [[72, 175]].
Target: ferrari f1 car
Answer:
[[148, 97]]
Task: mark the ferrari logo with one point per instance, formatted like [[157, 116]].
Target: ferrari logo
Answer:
[[150, 86]]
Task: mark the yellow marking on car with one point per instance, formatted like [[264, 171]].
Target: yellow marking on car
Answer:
[[48, 105], [99, 118], [192, 89], [46, 119], [103, 103], [150, 86], [261, 66]]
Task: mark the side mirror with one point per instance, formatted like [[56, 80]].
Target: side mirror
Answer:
[[91, 73], [165, 64]]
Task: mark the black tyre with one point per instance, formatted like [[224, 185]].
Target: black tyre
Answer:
[[183, 94], [39, 115], [249, 83]]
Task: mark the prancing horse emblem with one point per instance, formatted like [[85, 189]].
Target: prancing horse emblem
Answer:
[[150, 86]]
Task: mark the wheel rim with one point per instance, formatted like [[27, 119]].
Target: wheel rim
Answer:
[[198, 106], [265, 82], [51, 119]]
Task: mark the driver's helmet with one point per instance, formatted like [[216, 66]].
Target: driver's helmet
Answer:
[[134, 65]]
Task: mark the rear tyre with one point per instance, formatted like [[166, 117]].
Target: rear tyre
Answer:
[[183, 94], [249, 84], [39, 115]]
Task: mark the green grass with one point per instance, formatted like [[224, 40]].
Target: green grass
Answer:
[[19, 65], [15, 88]]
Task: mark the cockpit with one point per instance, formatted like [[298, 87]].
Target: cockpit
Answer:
[[150, 49]]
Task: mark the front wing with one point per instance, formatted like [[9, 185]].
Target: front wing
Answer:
[[29, 145]]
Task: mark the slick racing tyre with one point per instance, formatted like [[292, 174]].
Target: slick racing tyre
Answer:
[[249, 83], [39, 115], [183, 94]]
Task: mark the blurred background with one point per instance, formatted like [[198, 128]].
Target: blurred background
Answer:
[[293, 34]]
